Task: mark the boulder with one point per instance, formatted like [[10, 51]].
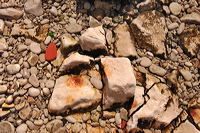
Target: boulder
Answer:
[[69, 94], [149, 29], [119, 81], [34, 7], [124, 43], [10, 13]]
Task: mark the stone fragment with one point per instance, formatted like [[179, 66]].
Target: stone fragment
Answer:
[[6, 127], [1, 25], [68, 44], [49, 83], [34, 80], [74, 61], [159, 110], [35, 48], [175, 8], [33, 59], [97, 83], [51, 52], [53, 125], [194, 17], [119, 81], [93, 40], [145, 62], [149, 29], [91, 129], [26, 112], [172, 26], [54, 11], [93, 22], [3, 89], [118, 119], [46, 91], [3, 46], [34, 7], [166, 9], [186, 74], [124, 43], [181, 28], [157, 70], [185, 127], [10, 13], [74, 28], [59, 59], [195, 113], [13, 68], [71, 119], [22, 128], [34, 92], [22, 48], [69, 93]]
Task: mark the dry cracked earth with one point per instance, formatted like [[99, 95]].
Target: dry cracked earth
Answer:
[[112, 66]]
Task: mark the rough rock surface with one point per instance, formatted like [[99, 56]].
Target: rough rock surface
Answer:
[[185, 127], [194, 17], [149, 29], [69, 93], [117, 90]]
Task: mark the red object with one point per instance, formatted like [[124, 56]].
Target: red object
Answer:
[[51, 52], [123, 124]]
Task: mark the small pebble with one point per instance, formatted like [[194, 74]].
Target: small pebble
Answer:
[[35, 48], [175, 8], [145, 62], [22, 128], [34, 92]]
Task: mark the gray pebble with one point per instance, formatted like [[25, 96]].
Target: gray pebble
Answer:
[[50, 84], [181, 28], [76, 128], [186, 74], [157, 70]]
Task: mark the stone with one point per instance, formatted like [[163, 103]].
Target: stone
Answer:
[[161, 108], [34, 70], [97, 83], [13, 68], [193, 18], [3, 46], [35, 48], [38, 122], [61, 130], [34, 80], [74, 61], [69, 93], [93, 22], [149, 29], [98, 14], [186, 74], [6, 127], [190, 41], [53, 125], [87, 5], [1, 25], [95, 116], [172, 26], [157, 70], [26, 112], [46, 91], [9, 99], [175, 8], [4, 113], [3, 89], [49, 83], [195, 113], [124, 43], [2, 100], [10, 13], [34, 92], [74, 28], [34, 7], [124, 114], [71, 119], [181, 28], [185, 127], [76, 128], [51, 52], [22, 128], [109, 36], [118, 119], [33, 59], [93, 40], [54, 11], [166, 9], [119, 81], [68, 44], [59, 59], [22, 48], [44, 21], [91, 129], [145, 62]]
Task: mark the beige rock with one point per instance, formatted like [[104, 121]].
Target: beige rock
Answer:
[[93, 40], [75, 60], [185, 127], [69, 93], [34, 7], [149, 29], [59, 59], [119, 81], [161, 107], [10, 13], [124, 43], [6, 127], [194, 17]]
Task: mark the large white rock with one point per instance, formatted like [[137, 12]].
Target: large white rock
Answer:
[[75, 60], [70, 93], [10, 13], [186, 127], [160, 109], [124, 43], [93, 40], [119, 81], [149, 29], [34, 7]]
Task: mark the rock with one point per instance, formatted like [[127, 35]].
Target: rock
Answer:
[[119, 81], [4, 113], [181, 28], [97, 83], [149, 30], [157, 70], [13, 68], [71, 119], [190, 41], [93, 40], [185, 127], [49, 83], [175, 8], [54, 11], [95, 116], [38, 122], [33, 80], [33, 7], [10, 13], [74, 28], [3, 89], [118, 119], [172, 26], [74, 61], [34, 92], [87, 5], [69, 93], [51, 52], [35, 48], [76, 128], [46, 91], [124, 43], [68, 44], [22, 128], [98, 14], [59, 59], [44, 21], [1, 25], [186, 74], [6, 127], [53, 125], [33, 59], [3, 46], [194, 17], [159, 110], [9, 99], [166, 9], [91, 129], [93, 22], [145, 62], [25, 113], [22, 48], [195, 113]]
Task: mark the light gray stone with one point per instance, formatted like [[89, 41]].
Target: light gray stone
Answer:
[[53, 125], [26, 112], [157, 70], [46, 91], [71, 119], [76, 128], [10, 13], [74, 28], [93, 22], [172, 26], [181, 28], [3, 46], [34, 92], [54, 11], [34, 7], [97, 83], [49, 83], [22, 128], [13, 68], [1, 25]]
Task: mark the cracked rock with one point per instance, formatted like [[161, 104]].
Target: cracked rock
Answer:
[[185, 127], [119, 81], [149, 29], [69, 93]]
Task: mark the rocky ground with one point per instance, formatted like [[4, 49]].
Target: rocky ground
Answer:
[[69, 66]]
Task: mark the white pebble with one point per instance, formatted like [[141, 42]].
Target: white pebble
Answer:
[[175, 8], [188, 64], [54, 11], [22, 128], [1, 25], [71, 119], [35, 48], [96, 83], [47, 40], [145, 62], [9, 99]]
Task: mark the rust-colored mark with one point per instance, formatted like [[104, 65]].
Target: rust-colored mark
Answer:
[[69, 99], [75, 82], [134, 104], [107, 71], [195, 113]]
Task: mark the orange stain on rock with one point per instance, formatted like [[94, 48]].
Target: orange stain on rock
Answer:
[[195, 113], [75, 82], [69, 99], [134, 104]]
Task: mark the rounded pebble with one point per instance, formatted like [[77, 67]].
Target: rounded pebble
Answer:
[[175, 8], [145, 62], [22, 128], [96, 83], [34, 92], [35, 48]]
